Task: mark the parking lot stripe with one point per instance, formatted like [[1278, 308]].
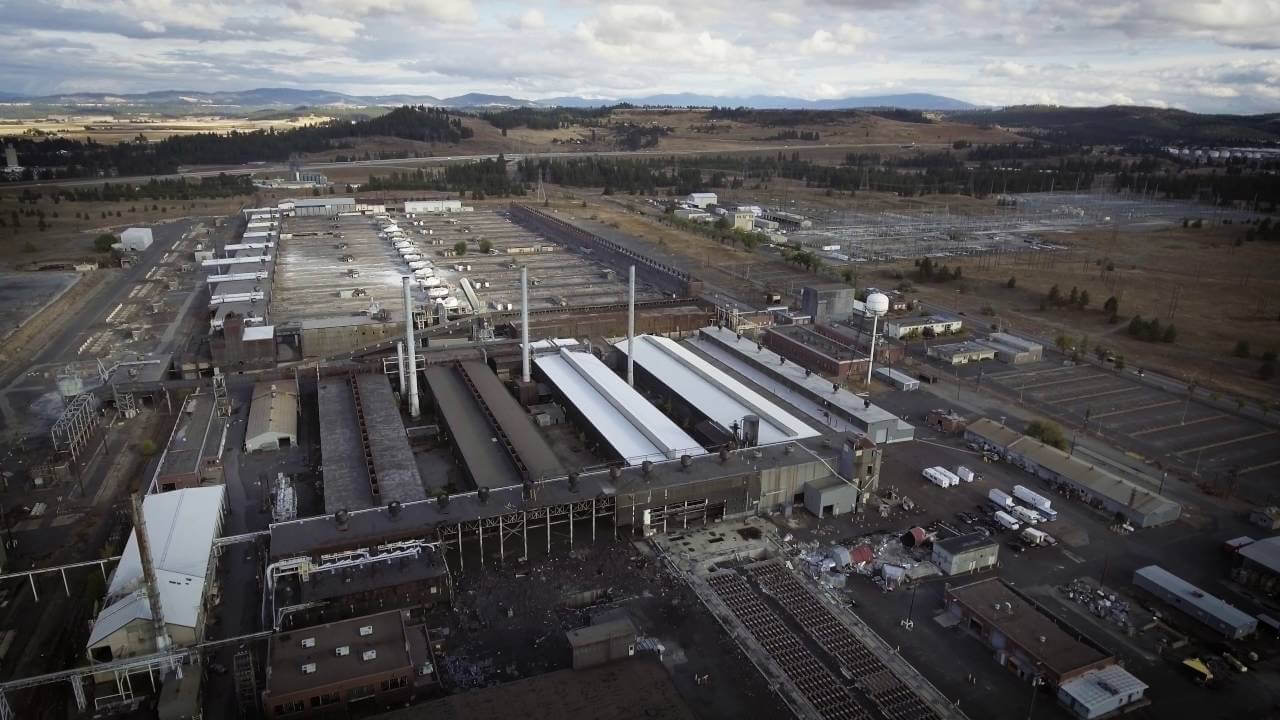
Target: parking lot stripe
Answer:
[[1059, 382], [1074, 398], [1175, 425], [1099, 416], [1263, 466], [1226, 442], [1074, 557]]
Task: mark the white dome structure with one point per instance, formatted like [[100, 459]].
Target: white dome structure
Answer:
[[877, 303], [449, 303], [438, 292]]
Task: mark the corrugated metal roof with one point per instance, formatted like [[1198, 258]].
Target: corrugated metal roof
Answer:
[[181, 526], [713, 392], [1190, 594], [1265, 552], [635, 428], [1094, 479], [276, 415], [1098, 687]]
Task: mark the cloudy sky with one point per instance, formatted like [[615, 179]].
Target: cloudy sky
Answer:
[[1203, 55]]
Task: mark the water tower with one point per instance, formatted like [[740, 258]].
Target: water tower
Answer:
[[876, 306]]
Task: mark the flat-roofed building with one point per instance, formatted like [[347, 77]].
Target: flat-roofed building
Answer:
[[366, 663], [1214, 612], [962, 353], [1023, 639], [815, 352], [603, 642], [910, 327], [1101, 693], [968, 553]]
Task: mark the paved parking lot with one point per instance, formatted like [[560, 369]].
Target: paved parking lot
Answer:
[[1157, 423]]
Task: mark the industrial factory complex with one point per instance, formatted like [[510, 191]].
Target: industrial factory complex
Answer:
[[421, 457]]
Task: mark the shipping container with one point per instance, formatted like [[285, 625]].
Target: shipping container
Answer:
[[1007, 520], [965, 474], [1001, 498]]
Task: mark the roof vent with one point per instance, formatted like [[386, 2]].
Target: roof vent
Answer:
[[366, 630], [308, 668], [1043, 639], [342, 650], [646, 467], [369, 655], [393, 508], [686, 461], [615, 473], [341, 518], [573, 481], [482, 494], [308, 642]]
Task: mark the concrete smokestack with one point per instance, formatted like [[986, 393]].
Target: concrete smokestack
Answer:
[[412, 369], [404, 389], [524, 323], [631, 329]]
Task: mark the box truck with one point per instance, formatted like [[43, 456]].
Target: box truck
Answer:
[[1032, 536], [1006, 520], [1000, 498]]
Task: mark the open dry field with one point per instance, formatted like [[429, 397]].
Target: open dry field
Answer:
[[69, 239], [112, 129], [688, 136], [1213, 292]]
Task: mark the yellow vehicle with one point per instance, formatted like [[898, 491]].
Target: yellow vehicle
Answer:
[[1199, 670]]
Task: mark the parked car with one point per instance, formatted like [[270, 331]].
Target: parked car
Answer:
[[1017, 548]]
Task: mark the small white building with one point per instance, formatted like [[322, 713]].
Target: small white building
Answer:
[[432, 206], [1101, 692], [702, 199], [916, 326], [136, 239]]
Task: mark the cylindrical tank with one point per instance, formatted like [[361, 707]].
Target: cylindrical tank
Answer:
[[751, 430], [877, 303]]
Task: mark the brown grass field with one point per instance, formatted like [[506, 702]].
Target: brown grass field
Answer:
[[1213, 292], [112, 129]]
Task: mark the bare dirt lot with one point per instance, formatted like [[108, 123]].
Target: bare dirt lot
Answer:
[[1212, 291]]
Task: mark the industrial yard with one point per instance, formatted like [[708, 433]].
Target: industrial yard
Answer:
[[400, 465]]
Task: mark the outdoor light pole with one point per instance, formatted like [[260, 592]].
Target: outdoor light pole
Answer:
[[1036, 682]]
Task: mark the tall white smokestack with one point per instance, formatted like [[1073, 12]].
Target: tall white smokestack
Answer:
[[404, 389], [631, 330], [412, 369], [524, 322]]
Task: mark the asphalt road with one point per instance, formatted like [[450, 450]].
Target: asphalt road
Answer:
[[264, 167]]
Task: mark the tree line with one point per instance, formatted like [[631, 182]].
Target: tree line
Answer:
[[66, 158]]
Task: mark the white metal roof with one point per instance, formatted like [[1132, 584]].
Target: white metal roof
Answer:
[[1265, 552], [636, 429], [259, 332], [1212, 605], [181, 525], [1096, 688], [717, 395]]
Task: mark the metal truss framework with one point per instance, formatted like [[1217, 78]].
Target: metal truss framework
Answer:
[[74, 427]]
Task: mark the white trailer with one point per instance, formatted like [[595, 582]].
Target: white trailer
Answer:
[[965, 474], [1007, 521], [1026, 515], [1000, 498], [940, 476], [1034, 499]]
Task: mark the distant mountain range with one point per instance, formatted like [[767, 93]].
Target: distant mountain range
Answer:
[[278, 98]]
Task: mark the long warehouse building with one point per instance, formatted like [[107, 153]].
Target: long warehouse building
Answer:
[[629, 424], [495, 439], [365, 455], [711, 392]]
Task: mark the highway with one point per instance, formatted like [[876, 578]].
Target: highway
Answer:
[[253, 168]]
